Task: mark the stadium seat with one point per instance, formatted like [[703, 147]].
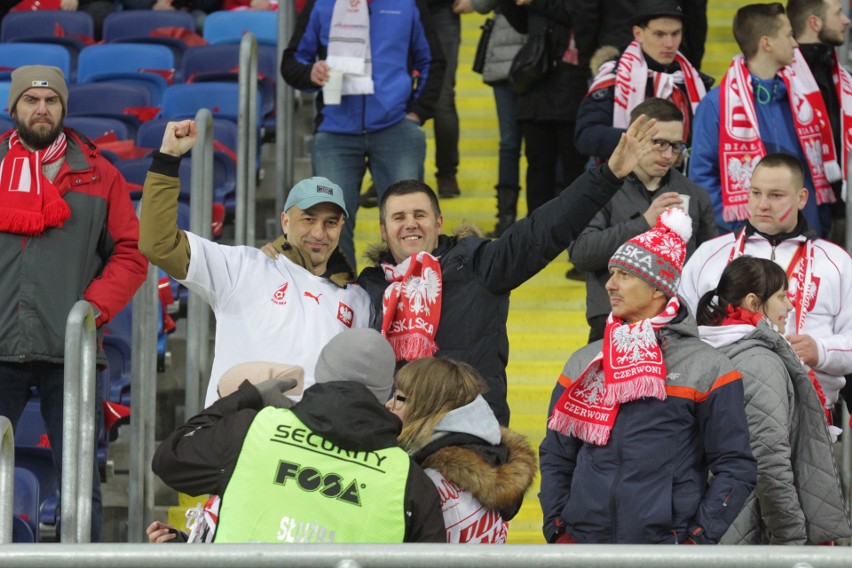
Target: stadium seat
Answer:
[[93, 127], [230, 25], [27, 503], [71, 29], [109, 100], [14, 55], [4, 99], [136, 26], [6, 123], [129, 64], [220, 63]]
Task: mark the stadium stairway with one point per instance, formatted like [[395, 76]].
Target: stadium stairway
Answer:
[[546, 321]]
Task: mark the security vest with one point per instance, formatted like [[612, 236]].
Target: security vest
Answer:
[[291, 485]]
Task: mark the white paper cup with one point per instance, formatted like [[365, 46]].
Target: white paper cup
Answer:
[[331, 89], [685, 199]]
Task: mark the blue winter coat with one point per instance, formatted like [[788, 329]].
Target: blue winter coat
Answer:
[[402, 43]]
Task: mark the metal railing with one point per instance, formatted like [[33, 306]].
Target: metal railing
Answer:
[[284, 118], [7, 479], [143, 401], [198, 313], [246, 142], [78, 429], [423, 556]]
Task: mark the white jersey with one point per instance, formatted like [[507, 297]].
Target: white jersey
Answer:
[[829, 301], [268, 310], [465, 519]]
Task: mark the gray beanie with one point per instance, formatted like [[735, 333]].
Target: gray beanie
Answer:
[[359, 355], [37, 76]]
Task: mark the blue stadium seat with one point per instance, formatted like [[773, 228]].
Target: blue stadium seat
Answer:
[[94, 127], [135, 26], [229, 26], [6, 123], [27, 503], [71, 29], [108, 100], [4, 99], [14, 55], [127, 63], [219, 62]]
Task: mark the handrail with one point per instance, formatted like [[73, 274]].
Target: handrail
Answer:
[[284, 118], [143, 401], [246, 142], [78, 429], [7, 479], [198, 314], [423, 556]]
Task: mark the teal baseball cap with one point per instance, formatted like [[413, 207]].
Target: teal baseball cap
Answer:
[[311, 191]]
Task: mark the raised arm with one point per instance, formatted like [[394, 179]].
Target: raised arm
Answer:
[[160, 240]]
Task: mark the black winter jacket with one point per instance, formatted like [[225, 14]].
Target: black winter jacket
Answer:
[[480, 273], [200, 456]]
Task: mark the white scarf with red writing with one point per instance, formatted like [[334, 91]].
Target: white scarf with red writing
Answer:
[[630, 75], [630, 366], [835, 169], [412, 306], [29, 202], [740, 146], [349, 46]]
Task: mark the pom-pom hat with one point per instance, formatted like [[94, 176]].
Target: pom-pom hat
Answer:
[[656, 256]]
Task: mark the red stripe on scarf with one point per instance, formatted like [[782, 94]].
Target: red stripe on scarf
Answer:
[[29, 202]]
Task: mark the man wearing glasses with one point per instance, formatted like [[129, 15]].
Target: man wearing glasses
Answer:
[[652, 187]]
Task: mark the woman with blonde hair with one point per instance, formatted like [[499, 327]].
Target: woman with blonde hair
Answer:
[[481, 470]]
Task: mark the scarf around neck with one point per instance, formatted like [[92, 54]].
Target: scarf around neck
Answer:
[[29, 202], [349, 46], [629, 367], [411, 306], [835, 162], [740, 145], [630, 75]]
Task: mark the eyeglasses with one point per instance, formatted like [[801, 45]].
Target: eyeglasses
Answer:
[[663, 145], [398, 400]]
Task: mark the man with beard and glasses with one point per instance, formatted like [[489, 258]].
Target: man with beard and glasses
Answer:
[[67, 231], [820, 27]]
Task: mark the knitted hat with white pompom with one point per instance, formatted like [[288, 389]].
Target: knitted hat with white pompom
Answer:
[[656, 256]]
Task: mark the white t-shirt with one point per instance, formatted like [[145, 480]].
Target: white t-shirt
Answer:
[[268, 310]]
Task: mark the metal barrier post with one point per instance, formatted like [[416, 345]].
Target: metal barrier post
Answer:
[[143, 401], [7, 479], [78, 431], [284, 117], [198, 313], [246, 142]]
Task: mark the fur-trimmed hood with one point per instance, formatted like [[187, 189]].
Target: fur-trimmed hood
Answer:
[[499, 487], [378, 252]]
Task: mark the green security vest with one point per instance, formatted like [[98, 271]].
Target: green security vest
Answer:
[[291, 485]]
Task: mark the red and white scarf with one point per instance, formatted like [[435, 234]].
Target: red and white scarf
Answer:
[[629, 367], [29, 202], [835, 169], [630, 75], [412, 306], [740, 146]]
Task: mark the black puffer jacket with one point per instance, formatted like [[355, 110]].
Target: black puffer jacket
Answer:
[[480, 273]]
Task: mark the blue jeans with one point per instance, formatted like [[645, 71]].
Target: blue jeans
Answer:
[[395, 154], [446, 120], [508, 173], [16, 379]]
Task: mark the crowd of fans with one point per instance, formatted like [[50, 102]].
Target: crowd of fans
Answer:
[[706, 221]]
